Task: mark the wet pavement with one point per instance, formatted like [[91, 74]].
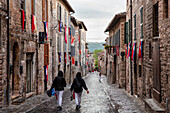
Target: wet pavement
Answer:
[[102, 98]]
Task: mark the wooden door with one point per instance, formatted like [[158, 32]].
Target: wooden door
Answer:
[[156, 72]]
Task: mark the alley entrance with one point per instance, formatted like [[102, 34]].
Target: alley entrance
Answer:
[[29, 71]]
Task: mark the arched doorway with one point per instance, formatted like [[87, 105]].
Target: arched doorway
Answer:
[[15, 74]]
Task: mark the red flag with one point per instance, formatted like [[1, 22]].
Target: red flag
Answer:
[[139, 55], [79, 51], [133, 51], [65, 34], [33, 23], [72, 39], [23, 19], [73, 61], [129, 51]]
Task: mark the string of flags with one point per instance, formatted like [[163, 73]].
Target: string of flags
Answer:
[[46, 72], [131, 51]]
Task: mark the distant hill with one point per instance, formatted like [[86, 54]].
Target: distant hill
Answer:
[[95, 45]]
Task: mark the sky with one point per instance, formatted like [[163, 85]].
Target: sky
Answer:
[[96, 15]]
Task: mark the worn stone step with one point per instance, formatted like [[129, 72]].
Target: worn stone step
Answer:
[[152, 106]]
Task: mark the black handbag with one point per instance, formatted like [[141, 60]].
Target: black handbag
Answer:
[[49, 93]]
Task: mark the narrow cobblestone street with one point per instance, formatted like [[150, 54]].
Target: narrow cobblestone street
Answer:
[[103, 98]]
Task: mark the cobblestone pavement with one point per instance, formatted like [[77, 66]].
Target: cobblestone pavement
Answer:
[[103, 98]]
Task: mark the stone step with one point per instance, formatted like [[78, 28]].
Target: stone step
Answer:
[[152, 106]]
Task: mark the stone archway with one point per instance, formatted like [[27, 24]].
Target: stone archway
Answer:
[[15, 74]]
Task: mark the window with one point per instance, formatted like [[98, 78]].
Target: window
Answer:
[[150, 50], [166, 8], [135, 27], [65, 17], [46, 54], [129, 31], [23, 14], [45, 10], [33, 7], [155, 20], [141, 22], [126, 33], [59, 12]]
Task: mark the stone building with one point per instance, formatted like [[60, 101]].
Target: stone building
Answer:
[[116, 49], [3, 52], [147, 77], [156, 68], [63, 40], [27, 52], [102, 62]]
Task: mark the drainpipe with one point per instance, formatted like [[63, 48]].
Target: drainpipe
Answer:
[[8, 57], [131, 46]]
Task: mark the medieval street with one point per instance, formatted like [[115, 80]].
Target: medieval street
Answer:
[[103, 98]]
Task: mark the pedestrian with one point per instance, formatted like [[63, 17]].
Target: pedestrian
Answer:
[[78, 85], [59, 83], [100, 77]]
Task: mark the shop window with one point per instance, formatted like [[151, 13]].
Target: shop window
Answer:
[[155, 20]]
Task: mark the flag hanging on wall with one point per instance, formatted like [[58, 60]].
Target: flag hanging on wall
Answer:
[[72, 39], [69, 31], [33, 23], [129, 50], [59, 25], [126, 50], [133, 51], [140, 50], [65, 34], [117, 50], [46, 29], [73, 61], [46, 72], [59, 57], [23, 19]]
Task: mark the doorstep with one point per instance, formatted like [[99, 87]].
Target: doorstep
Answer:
[[152, 106], [30, 94]]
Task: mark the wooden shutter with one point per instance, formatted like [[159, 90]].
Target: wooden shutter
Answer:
[[46, 54], [129, 31], [135, 27]]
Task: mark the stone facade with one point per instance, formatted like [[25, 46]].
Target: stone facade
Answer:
[[116, 49], [3, 52]]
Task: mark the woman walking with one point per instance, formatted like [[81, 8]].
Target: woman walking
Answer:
[[59, 83], [78, 85]]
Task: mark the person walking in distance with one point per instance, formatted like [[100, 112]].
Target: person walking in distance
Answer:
[[78, 85], [59, 83], [100, 77]]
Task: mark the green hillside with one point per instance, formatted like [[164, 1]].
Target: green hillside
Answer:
[[95, 45]]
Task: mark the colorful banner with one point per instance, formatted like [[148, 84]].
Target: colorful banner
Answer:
[[46, 29], [46, 72], [73, 61], [59, 25], [133, 51], [140, 50], [129, 50], [33, 23], [23, 19], [72, 39], [59, 57], [66, 34]]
